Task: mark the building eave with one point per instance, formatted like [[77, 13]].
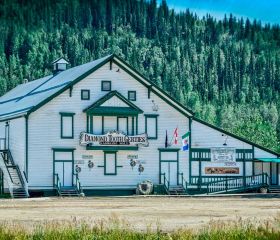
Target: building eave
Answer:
[[236, 136]]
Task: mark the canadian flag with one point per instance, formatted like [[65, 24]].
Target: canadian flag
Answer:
[[175, 135]]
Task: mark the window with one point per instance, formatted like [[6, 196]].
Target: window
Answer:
[[110, 163], [85, 94], [106, 86], [122, 124], [67, 125], [151, 126], [132, 95]]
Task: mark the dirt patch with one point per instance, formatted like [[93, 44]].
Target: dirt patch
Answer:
[[170, 213]]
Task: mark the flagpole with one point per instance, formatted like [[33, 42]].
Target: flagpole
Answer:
[[172, 136]]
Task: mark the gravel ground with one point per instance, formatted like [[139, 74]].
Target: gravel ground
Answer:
[[141, 212]]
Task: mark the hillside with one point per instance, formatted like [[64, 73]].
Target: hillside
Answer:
[[227, 71]]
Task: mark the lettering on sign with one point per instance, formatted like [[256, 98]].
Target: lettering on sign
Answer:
[[79, 162], [132, 156], [221, 170], [87, 157], [113, 138], [223, 155]]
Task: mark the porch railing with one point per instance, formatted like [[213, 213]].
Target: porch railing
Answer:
[[57, 183], [164, 181], [182, 181], [77, 183], [238, 183]]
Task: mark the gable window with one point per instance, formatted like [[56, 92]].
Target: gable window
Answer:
[[132, 95], [151, 126], [85, 94], [106, 86], [67, 125]]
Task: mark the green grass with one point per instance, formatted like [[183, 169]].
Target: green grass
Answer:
[[117, 230]]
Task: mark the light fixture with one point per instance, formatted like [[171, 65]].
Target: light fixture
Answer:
[[225, 143]]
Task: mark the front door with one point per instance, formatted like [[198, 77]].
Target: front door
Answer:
[[171, 173], [63, 166], [64, 171]]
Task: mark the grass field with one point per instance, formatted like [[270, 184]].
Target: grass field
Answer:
[[113, 229], [140, 218]]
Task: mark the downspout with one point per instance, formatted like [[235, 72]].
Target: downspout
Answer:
[[190, 149], [26, 147]]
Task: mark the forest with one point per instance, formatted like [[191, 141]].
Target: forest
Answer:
[[227, 71]]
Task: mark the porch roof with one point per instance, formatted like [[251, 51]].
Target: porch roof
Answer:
[[98, 108], [277, 160]]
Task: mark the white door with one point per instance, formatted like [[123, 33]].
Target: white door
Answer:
[[59, 171], [170, 170], [64, 171], [173, 173], [68, 175]]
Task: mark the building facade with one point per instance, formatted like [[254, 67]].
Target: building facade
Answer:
[[102, 128]]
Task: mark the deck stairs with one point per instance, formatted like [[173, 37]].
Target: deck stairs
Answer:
[[274, 189], [13, 176], [73, 191], [176, 190], [69, 192]]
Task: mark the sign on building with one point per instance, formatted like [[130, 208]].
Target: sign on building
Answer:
[[223, 155], [113, 138]]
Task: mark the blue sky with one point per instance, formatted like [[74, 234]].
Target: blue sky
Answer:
[[268, 11]]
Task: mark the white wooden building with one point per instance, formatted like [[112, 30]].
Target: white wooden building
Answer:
[[101, 128]]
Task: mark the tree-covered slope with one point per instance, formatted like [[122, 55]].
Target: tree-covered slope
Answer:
[[227, 71]]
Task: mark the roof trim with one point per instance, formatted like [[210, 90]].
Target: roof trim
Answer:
[[33, 109], [277, 160], [235, 136], [158, 91], [108, 96], [162, 94]]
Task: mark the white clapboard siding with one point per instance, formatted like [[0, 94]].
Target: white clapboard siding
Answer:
[[2, 129], [204, 136], [48, 118], [114, 102], [259, 153], [17, 141]]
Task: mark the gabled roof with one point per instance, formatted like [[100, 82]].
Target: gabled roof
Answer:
[[99, 108], [26, 98], [60, 60], [235, 136]]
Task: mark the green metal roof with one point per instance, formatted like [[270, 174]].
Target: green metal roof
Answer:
[[277, 160]]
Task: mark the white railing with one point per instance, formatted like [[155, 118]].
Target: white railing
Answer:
[[6, 176]]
